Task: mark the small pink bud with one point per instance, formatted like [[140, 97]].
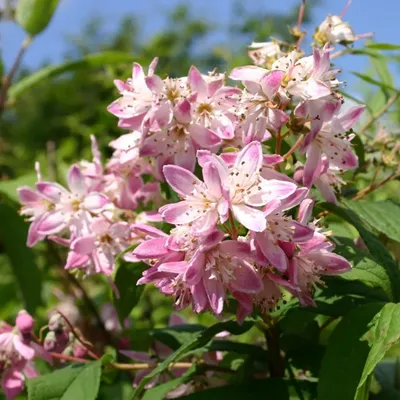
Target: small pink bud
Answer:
[[24, 322], [298, 175], [79, 351]]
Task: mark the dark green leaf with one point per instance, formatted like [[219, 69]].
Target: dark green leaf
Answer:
[[126, 277], [384, 332], [383, 216], [90, 61], [35, 15], [200, 340], [346, 355], [359, 149], [13, 234], [75, 382], [274, 389]]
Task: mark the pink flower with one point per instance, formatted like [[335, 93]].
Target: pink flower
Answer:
[[212, 102], [69, 208], [240, 189], [312, 259], [307, 77], [137, 99], [96, 251], [327, 180], [260, 103], [332, 141]]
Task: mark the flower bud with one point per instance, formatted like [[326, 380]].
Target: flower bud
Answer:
[[55, 322], [79, 351], [24, 322], [50, 341]]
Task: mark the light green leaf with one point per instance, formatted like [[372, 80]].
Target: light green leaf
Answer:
[[35, 15], [384, 333], [373, 81], [159, 392], [383, 216], [200, 340], [75, 382], [13, 234], [126, 277], [90, 61], [10, 187], [383, 46], [378, 251], [365, 268], [346, 355]]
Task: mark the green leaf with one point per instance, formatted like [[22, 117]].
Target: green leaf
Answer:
[[126, 277], [200, 340], [378, 251], [13, 234], [159, 392], [10, 187], [358, 146], [384, 332], [383, 46], [365, 268], [75, 382], [90, 61], [35, 15], [373, 81], [383, 216], [274, 389], [346, 355]]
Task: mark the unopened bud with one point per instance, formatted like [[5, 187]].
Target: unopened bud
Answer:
[[79, 351], [24, 322], [50, 341], [55, 322]]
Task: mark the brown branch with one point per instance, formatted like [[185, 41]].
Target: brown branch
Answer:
[[68, 358], [234, 233], [9, 77], [373, 186]]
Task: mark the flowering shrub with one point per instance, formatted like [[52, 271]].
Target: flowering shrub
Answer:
[[218, 196]]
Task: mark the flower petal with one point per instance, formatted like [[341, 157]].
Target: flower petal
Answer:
[[249, 217], [181, 180], [76, 180]]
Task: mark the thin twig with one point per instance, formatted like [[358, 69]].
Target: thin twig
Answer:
[[140, 366], [88, 347], [299, 22], [373, 186], [382, 111], [298, 143], [9, 77], [65, 357], [86, 299]]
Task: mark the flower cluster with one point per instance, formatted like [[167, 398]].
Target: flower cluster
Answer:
[[17, 351], [204, 260], [219, 147]]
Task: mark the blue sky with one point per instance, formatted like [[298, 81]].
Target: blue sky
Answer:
[[379, 16]]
